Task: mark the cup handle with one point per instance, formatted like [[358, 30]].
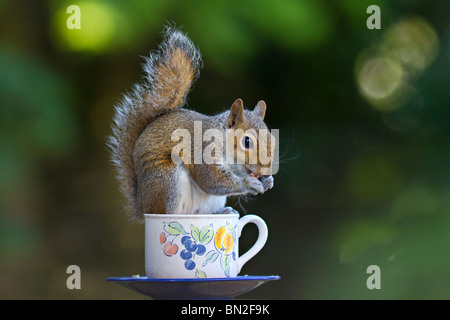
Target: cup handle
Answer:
[[263, 233]]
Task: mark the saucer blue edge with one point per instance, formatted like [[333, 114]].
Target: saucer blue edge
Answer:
[[238, 278]]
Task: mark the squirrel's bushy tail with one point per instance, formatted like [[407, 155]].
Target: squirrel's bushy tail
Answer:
[[169, 75]]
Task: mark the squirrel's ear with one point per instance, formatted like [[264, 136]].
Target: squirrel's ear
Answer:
[[236, 113], [260, 109]]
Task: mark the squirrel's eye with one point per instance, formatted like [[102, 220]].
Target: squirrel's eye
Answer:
[[247, 142]]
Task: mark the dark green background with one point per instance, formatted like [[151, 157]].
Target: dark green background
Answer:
[[363, 115]]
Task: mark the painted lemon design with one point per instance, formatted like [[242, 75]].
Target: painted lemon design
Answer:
[[223, 239]]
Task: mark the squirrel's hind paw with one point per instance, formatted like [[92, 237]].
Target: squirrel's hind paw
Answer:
[[227, 210]]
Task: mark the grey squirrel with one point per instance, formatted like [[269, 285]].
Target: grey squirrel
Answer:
[[141, 145]]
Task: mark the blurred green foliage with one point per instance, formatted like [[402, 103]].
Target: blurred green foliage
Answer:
[[364, 120]]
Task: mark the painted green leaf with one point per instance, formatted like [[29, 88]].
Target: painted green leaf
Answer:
[[225, 263], [195, 233], [229, 226], [206, 234], [210, 257], [174, 228], [200, 274]]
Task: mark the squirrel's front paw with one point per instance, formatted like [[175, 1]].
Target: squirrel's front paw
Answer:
[[253, 186], [267, 182]]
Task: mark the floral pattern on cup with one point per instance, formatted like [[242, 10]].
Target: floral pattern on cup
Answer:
[[195, 244]]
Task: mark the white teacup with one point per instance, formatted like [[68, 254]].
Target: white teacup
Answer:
[[197, 246]]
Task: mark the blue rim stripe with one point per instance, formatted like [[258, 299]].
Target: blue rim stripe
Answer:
[[238, 278]]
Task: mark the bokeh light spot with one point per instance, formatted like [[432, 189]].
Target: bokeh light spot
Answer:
[[416, 201], [412, 42], [98, 27], [360, 236], [296, 25], [379, 78], [385, 73]]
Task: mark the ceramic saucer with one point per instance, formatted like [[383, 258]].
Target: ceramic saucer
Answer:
[[203, 289]]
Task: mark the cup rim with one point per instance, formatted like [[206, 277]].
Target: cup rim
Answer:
[[190, 216]]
